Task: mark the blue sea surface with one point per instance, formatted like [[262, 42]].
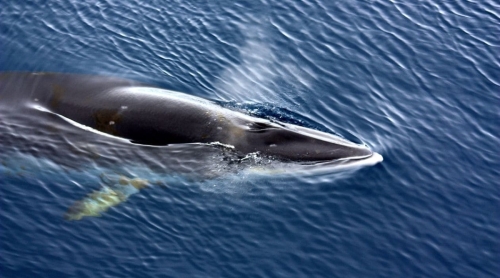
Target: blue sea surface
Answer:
[[417, 81]]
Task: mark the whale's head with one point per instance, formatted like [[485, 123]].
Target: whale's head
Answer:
[[296, 143]]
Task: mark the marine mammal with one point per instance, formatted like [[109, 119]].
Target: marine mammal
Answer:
[[149, 115], [204, 139]]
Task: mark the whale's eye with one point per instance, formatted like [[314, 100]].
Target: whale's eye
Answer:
[[260, 126]]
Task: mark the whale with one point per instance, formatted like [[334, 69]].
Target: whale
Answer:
[[75, 119], [149, 115]]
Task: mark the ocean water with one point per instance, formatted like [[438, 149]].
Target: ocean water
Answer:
[[417, 81]]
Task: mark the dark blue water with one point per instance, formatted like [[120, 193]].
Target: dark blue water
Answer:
[[417, 81]]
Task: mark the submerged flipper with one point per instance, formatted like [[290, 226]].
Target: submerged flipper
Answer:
[[112, 193]]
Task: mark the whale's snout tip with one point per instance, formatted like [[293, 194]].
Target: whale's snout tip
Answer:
[[368, 156], [376, 157]]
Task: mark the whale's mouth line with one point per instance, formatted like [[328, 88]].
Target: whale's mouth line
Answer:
[[339, 165], [376, 157], [321, 167]]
